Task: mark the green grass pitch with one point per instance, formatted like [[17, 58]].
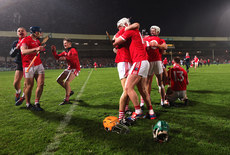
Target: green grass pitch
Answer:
[[202, 127]]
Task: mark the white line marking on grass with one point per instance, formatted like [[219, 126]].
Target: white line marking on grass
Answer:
[[52, 147]]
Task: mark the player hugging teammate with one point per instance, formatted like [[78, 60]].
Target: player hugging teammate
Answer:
[[138, 59]]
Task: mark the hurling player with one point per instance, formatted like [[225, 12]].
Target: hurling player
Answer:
[[196, 60], [71, 56], [16, 52], [187, 61], [154, 47], [29, 47], [138, 73], [124, 63], [179, 80]]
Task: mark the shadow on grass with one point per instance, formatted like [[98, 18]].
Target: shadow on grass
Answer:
[[139, 140], [208, 92], [82, 103]]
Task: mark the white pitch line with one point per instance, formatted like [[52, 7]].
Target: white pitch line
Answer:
[[52, 147]]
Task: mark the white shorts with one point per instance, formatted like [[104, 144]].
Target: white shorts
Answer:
[[140, 68], [39, 69], [74, 71], [177, 95], [155, 67], [123, 69]]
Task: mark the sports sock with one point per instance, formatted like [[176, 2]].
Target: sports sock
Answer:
[[162, 102], [18, 91], [27, 104], [138, 109], [142, 101], [121, 115], [151, 112], [36, 101], [23, 95], [142, 104]]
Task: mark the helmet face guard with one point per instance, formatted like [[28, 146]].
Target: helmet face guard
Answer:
[[111, 123], [160, 131]]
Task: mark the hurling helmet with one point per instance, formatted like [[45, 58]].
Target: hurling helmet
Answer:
[[160, 131], [34, 29], [111, 123], [155, 27], [123, 21]]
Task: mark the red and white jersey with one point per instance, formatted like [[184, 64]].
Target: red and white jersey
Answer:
[[30, 43], [196, 60], [153, 52], [136, 48], [72, 59], [123, 54], [95, 64], [179, 78]]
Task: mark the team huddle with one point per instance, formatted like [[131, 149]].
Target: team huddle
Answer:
[[27, 48], [138, 59]]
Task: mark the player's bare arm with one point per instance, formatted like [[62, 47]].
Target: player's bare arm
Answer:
[[63, 58], [162, 46], [133, 26], [118, 41], [53, 48], [26, 51]]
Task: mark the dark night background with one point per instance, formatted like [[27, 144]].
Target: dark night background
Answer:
[[174, 17]]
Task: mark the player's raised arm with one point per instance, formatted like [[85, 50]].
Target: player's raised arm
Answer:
[[54, 52]]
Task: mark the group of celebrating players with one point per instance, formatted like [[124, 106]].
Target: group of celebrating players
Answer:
[[138, 58], [25, 49]]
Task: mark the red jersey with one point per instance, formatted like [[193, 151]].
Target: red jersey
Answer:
[[71, 55], [165, 61], [196, 60], [95, 64], [153, 52], [179, 78], [136, 48], [30, 43], [162, 50], [123, 54]]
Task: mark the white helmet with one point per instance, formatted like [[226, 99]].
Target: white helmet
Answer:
[[155, 27], [123, 21]]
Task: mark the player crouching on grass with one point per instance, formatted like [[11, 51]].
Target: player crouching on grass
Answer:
[[179, 80], [71, 56], [29, 47]]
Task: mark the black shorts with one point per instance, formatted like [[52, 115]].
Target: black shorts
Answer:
[[19, 67]]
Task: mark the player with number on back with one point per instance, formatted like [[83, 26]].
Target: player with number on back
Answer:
[[29, 48], [71, 56], [179, 80], [155, 47]]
